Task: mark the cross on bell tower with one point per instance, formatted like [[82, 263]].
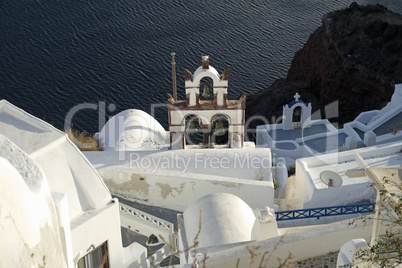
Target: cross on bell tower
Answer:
[[296, 96]]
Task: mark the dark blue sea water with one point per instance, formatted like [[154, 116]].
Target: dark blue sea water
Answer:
[[55, 55]]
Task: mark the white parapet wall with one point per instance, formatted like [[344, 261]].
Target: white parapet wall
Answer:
[[178, 192], [176, 178], [291, 245], [346, 256]]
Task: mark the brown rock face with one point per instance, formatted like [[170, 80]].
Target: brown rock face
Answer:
[[355, 58]]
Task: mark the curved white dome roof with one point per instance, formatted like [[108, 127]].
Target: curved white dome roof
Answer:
[[132, 129], [225, 218], [28, 219], [64, 166]]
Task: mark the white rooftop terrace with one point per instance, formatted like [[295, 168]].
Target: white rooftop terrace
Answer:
[[307, 185], [315, 137], [279, 134], [53, 169]]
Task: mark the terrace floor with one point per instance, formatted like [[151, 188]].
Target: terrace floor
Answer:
[[328, 143], [390, 125]]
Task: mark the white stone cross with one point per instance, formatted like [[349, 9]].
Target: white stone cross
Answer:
[[296, 96]]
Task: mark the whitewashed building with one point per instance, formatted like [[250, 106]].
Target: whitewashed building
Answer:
[[311, 184], [300, 136], [56, 210], [203, 152]]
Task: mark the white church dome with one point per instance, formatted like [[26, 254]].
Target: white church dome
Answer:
[[225, 218], [132, 129]]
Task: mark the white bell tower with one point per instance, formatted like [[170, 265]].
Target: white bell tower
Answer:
[[296, 114], [218, 116]]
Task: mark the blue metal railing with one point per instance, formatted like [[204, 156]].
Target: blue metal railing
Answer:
[[324, 211]]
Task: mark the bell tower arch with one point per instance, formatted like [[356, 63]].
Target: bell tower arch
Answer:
[[193, 83]]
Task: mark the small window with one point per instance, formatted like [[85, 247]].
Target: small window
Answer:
[[99, 257]]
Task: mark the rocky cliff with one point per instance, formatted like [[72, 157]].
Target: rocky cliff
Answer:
[[354, 57]]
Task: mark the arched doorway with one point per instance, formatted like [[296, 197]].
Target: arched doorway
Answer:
[[193, 130], [220, 130], [296, 119], [206, 88]]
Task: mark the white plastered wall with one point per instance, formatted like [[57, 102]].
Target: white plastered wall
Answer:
[[175, 178], [94, 228], [29, 227], [301, 242]]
